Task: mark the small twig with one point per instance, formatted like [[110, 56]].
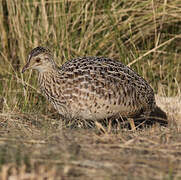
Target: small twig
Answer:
[[153, 50]]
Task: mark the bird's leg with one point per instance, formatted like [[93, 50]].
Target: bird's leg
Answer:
[[132, 124]]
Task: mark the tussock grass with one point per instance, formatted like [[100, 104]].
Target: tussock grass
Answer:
[[144, 35], [34, 143]]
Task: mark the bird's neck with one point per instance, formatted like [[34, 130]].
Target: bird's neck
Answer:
[[48, 76], [47, 69]]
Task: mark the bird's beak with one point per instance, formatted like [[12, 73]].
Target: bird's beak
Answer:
[[25, 67]]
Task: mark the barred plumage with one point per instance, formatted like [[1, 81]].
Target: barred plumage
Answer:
[[91, 87]]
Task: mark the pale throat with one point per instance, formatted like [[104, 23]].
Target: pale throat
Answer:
[[46, 69]]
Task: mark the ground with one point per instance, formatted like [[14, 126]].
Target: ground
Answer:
[[34, 146]]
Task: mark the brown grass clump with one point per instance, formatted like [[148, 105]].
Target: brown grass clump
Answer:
[[13, 172]]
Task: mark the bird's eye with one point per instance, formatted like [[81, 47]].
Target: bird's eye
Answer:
[[38, 60]]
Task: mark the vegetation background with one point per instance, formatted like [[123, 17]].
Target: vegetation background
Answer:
[[146, 35]]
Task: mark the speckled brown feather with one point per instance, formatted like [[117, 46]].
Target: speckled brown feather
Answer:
[[95, 88]]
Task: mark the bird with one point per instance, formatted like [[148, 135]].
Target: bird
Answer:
[[91, 88]]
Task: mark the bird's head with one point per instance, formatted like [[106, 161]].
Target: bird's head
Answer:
[[40, 59]]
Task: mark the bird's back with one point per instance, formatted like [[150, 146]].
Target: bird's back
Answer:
[[97, 88]]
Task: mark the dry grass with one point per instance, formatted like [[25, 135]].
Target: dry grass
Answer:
[[39, 147], [35, 143], [145, 35]]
